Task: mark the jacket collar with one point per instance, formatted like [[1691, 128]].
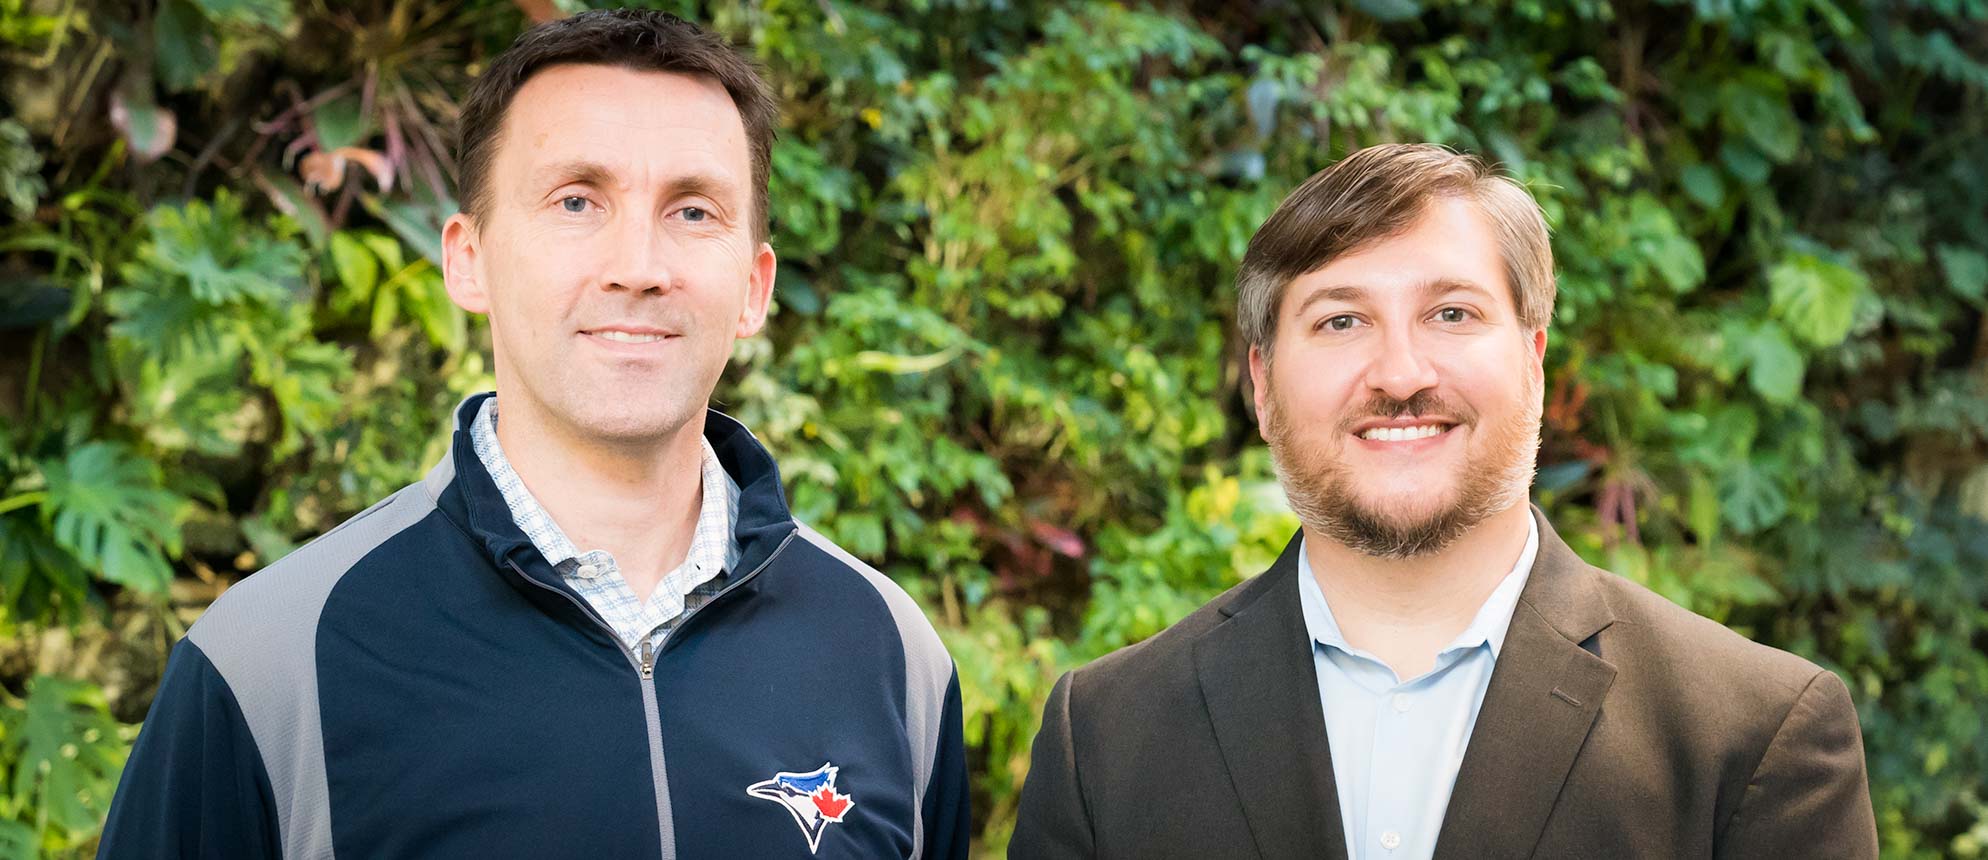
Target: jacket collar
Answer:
[[463, 489], [1544, 696], [1261, 690]]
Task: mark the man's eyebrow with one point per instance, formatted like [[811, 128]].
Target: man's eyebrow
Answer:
[[1335, 293], [1444, 286], [567, 172]]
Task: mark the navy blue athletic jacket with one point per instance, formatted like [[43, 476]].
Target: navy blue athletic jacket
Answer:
[[418, 682]]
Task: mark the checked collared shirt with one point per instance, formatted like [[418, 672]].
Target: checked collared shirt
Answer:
[[595, 575]]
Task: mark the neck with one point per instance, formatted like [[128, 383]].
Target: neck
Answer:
[[1405, 610], [639, 501]]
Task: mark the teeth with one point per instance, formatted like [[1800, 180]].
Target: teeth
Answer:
[[1402, 434], [628, 337]]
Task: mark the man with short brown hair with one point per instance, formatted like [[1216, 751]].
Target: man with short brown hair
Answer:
[[1428, 670], [594, 630]]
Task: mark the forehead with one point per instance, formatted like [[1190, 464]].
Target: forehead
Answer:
[[640, 122], [1451, 241]]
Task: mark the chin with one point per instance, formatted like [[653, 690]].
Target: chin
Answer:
[[1410, 503], [643, 423]]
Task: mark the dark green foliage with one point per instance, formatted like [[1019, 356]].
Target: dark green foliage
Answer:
[[1003, 364]]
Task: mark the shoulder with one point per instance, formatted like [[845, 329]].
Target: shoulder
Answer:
[[278, 606], [1653, 636], [925, 654], [1163, 666]]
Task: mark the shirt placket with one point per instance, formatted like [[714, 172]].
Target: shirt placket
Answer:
[[1386, 780]]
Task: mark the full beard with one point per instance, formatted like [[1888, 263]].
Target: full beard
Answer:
[[1322, 492]]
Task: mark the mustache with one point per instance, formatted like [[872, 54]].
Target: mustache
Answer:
[[1424, 402]]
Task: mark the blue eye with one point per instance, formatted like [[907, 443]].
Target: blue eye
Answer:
[[695, 215], [1339, 323], [1452, 315], [573, 204]]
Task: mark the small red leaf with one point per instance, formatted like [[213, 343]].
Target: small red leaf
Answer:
[[830, 803]]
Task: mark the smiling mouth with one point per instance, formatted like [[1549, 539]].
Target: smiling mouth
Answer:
[[1404, 434], [618, 336]]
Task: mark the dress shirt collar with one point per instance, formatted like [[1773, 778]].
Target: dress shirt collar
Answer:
[[713, 549]]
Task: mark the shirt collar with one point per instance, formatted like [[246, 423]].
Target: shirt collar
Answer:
[[1488, 627], [720, 500]]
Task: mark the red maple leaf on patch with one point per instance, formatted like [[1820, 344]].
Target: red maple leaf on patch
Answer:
[[831, 803]]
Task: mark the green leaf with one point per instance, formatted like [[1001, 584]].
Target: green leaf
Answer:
[[1755, 106], [1744, 162], [1966, 270], [1702, 508], [290, 198], [66, 750], [416, 225], [1776, 368], [1704, 185], [386, 248], [1390, 10], [111, 509], [17, 841], [1664, 246], [358, 270], [220, 253], [273, 14], [20, 169], [204, 272], [186, 45], [37, 577], [1750, 499], [341, 123], [1816, 298]]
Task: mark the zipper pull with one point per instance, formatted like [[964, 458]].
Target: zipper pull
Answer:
[[648, 659]]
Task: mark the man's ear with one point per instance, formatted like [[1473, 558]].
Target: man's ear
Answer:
[[459, 250], [1259, 382], [759, 292]]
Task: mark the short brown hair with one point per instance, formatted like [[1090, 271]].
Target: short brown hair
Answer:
[[1374, 194], [636, 39]]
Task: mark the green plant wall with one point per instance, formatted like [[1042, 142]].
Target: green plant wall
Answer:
[[1003, 365]]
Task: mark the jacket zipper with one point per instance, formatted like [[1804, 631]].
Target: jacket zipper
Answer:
[[645, 664]]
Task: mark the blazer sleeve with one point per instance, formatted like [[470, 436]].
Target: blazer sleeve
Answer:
[[1054, 821], [195, 785], [1810, 788]]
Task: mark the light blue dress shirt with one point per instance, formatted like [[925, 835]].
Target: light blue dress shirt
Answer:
[[1396, 745]]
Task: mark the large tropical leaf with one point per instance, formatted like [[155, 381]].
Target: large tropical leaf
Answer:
[[222, 256], [109, 508], [65, 750]]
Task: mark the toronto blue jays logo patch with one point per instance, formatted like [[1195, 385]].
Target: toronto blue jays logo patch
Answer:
[[810, 797]]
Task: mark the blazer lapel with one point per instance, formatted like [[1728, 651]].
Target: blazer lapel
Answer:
[[1261, 690], [1544, 696]]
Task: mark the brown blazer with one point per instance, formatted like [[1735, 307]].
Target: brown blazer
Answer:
[[1616, 725]]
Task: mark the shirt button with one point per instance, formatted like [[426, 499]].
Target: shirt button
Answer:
[[588, 571], [1390, 840], [1401, 703]]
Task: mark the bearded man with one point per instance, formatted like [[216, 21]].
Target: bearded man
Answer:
[[1428, 670]]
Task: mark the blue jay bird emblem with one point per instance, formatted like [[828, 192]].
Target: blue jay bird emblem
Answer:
[[810, 797]]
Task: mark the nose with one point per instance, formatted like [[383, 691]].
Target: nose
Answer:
[[640, 255], [1401, 369]]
